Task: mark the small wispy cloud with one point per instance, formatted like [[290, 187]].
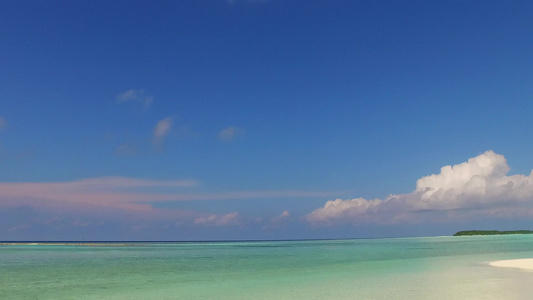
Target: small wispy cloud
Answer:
[[88, 185], [126, 149], [231, 2], [284, 215], [23, 155], [230, 133], [3, 123], [127, 182], [279, 220], [219, 220], [162, 129], [139, 96]]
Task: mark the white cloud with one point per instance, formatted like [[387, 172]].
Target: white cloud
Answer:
[[219, 220], [342, 209], [230, 133], [281, 217], [476, 187], [284, 215], [136, 96], [3, 123], [279, 220], [162, 129]]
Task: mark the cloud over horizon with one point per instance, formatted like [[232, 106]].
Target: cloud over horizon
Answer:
[[109, 197], [229, 219], [280, 220], [477, 187]]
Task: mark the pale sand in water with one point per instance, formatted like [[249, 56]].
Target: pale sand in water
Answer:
[[524, 264]]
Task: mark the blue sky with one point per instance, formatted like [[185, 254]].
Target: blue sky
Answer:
[[201, 120]]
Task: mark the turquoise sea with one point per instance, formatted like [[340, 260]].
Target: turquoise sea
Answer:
[[399, 268]]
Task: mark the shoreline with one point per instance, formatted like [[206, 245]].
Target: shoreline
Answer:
[[525, 264], [71, 244]]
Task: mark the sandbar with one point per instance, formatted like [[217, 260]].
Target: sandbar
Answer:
[[524, 264]]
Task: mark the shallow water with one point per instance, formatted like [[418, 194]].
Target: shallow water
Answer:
[[406, 268]]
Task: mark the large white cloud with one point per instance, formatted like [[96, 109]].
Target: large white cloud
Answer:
[[479, 186]]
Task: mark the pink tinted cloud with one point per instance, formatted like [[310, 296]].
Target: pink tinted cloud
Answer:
[[105, 194], [87, 194]]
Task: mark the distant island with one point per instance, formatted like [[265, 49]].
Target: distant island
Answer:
[[491, 232]]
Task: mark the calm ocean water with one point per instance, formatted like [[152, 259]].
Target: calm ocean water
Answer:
[[403, 268]]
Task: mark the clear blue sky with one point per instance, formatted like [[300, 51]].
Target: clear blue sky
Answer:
[[217, 119]]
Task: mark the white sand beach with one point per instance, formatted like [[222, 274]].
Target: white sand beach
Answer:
[[524, 264]]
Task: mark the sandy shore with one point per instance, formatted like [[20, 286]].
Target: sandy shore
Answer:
[[524, 264]]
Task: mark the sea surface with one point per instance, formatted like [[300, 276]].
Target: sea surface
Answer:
[[399, 268]]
